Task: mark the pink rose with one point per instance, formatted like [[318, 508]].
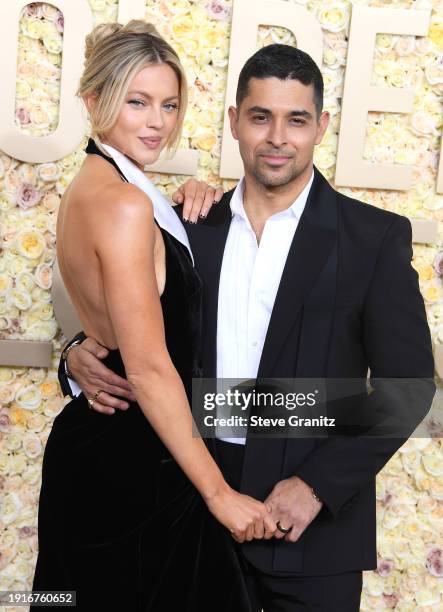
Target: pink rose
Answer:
[[218, 10], [28, 196], [438, 263], [434, 562], [386, 498], [26, 532], [391, 600], [385, 567], [31, 10], [22, 115], [60, 23], [5, 423]]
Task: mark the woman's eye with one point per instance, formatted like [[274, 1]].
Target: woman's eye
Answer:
[[136, 103], [171, 107]]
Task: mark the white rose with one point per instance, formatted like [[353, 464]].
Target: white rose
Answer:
[[5, 283], [41, 295], [32, 474], [10, 508], [7, 394], [20, 569], [405, 45], [29, 398], [49, 172], [36, 423], [40, 117], [50, 202], [43, 276], [52, 407], [333, 17], [30, 244], [20, 299], [433, 463], [422, 123], [25, 282], [32, 446], [53, 42], [42, 331]]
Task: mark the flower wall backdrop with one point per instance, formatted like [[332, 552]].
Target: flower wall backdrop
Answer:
[[410, 487]]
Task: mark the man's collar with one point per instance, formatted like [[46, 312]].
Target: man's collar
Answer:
[[297, 206]]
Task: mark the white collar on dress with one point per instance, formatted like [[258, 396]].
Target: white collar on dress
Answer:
[[163, 213]]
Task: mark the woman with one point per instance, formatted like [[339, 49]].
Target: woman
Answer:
[[119, 522]]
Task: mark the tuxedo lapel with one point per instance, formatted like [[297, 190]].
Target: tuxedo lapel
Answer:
[[312, 246], [208, 240]]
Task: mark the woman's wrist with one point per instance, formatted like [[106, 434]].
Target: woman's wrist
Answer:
[[214, 490]]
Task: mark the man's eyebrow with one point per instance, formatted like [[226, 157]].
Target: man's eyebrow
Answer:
[[301, 113], [259, 109], [267, 111], [146, 95]]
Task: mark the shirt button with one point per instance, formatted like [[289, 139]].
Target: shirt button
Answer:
[[254, 343]]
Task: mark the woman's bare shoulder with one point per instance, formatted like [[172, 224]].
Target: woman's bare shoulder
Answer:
[[119, 199]]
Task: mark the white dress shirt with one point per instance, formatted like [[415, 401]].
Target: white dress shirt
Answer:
[[249, 280]]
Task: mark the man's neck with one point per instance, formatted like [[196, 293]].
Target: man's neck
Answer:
[[261, 202]]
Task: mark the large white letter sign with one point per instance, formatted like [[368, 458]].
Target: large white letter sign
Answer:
[[245, 23], [71, 128], [359, 97], [184, 161], [131, 9], [440, 170]]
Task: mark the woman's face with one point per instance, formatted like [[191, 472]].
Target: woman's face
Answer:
[[148, 116]]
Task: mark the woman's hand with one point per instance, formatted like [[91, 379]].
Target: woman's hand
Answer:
[[245, 517], [197, 198]]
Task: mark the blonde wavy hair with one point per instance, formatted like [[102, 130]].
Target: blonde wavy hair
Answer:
[[114, 55]]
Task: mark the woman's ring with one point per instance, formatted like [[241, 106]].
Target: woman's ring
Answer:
[[91, 400]]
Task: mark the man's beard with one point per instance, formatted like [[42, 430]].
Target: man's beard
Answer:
[[279, 177]]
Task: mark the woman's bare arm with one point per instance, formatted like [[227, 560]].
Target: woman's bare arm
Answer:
[[125, 241]]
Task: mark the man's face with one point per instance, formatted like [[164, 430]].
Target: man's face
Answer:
[[277, 128]]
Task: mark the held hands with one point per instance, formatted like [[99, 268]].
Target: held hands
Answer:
[[197, 198], [245, 517], [292, 505]]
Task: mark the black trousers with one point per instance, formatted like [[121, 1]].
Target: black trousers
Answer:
[[271, 593]]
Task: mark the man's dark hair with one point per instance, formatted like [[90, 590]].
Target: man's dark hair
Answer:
[[283, 62]]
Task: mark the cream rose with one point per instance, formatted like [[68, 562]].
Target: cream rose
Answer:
[[333, 17], [29, 398], [43, 276], [49, 172], [10, 508], [30, 244], [25, 282], [5, 283], [32, 446]]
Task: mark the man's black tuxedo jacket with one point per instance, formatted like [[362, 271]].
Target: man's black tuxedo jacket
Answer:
[[348, 300]]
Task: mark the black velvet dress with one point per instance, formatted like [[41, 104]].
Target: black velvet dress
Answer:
[[118, 521]]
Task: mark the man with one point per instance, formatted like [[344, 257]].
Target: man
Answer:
[[302, 282]]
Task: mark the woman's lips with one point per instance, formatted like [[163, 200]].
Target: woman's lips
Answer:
[[151, 143]]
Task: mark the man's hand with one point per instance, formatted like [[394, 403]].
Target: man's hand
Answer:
[[197, 198], [291, 502], [91, 375]]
